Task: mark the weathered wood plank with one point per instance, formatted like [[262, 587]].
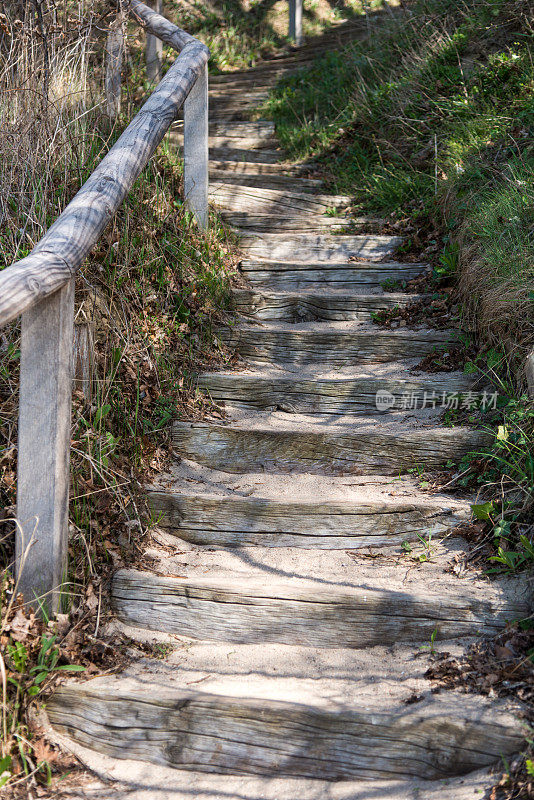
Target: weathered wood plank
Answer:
[[346, 395], [292, 276], [236, 130], [239, 154], [44, 448], [64, 247], [83, 359], [329, 344], [325, 450], [273, 610], [154, 50], [295, 22], [196, 178], [306, 247], [114, 58], [289, 223], [259, 200], [261, 140], [305, 185], [319, 223], [258, 168], [206, 732], [234, 521], [319, 306]]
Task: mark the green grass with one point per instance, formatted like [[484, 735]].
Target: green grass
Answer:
[[433, 118]]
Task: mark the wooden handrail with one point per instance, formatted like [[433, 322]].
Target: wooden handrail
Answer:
[[40, 287]]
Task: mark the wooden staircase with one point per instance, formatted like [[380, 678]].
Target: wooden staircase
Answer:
[[298, 625]]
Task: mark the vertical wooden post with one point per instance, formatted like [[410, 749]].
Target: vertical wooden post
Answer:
[[44, 447], [114, 57], [196, 149], [295, 21], [82, 363], [153, 50]]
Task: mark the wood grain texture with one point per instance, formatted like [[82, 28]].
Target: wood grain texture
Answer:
[[330, 345], [317, 248], [323, 395], [236, 130], [234, 609], [228, 141], [292, 276], [46, 365], [154, 51], [264, 182], [259, 200], [257, 168], [83, 359], [318, 306], [243, 155], [196, 179], [243, 521], [114, 57], [322, 452], [295, 223], [295, 22], [190, 729], [64, 247]]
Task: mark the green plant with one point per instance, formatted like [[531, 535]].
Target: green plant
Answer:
[[448, 262], [31, 677], [432, 646], [426, 552]]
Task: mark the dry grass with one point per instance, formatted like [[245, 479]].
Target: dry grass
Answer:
[[48, 109]]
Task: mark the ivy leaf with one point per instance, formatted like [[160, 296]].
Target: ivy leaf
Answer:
[[482, 510]]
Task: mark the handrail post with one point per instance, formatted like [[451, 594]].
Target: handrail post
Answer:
[[295, 21], [154, 50], [44, 447], [196, 149], [114, 58]]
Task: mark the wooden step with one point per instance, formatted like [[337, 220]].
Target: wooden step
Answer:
[[220, 97], [150, 717], [289, 183], [259, 168], [262, 201], [293, 276], [356, 393], [228, 140], [318, 306], [262, 609], [224, 107], [330, 343], [241, 154], [236, 130], [353, 445], [312, 512], [306, 247], [291, 223]]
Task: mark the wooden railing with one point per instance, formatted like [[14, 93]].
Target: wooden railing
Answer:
[[295, 21], [40, 287]]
